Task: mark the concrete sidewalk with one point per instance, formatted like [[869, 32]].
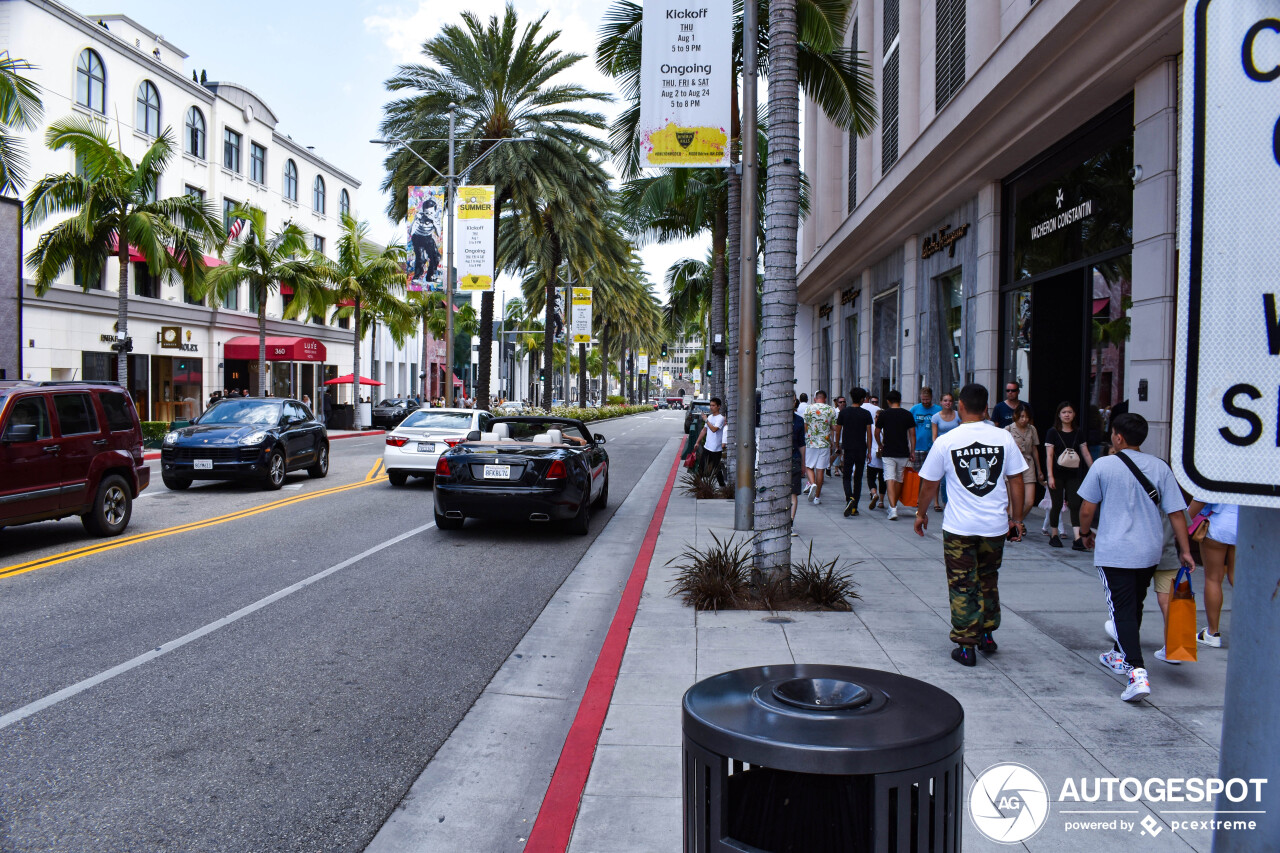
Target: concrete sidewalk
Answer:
[[1043, 700]]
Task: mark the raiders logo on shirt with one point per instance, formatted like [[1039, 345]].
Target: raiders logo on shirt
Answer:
[[978, 466]]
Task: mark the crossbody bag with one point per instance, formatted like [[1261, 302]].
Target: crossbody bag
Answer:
[[1152, 491]]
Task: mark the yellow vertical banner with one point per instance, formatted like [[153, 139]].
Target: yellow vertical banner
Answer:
[[474, 252], [580, 323]]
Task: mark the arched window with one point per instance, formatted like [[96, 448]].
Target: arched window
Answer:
[[317, 195], [344, 204], [91, 82], [290, 180], [195, 133], [148, 119]]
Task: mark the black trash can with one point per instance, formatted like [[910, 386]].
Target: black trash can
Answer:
[[811, 758]]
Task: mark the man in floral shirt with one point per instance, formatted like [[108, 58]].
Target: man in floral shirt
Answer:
[[819, 422]]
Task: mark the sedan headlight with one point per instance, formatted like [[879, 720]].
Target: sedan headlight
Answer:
[[171, 438], [254, 438]]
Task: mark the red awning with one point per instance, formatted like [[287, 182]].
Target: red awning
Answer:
[[349, 379], [286, 290], [278, 349], [212, 261], [456, 381], [134, 255]]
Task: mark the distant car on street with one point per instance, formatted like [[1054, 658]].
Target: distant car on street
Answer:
[[675, 402], [696, 409], [662, 404], [388, 413], [412, 448], [246, 438], [524, 469], [69, 448]]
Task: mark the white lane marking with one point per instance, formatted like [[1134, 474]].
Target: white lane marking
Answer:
[[173, 645]]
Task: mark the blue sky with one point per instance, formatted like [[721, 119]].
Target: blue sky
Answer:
[[321, 67]]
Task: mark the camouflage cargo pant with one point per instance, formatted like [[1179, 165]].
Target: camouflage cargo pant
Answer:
[[973, 570]]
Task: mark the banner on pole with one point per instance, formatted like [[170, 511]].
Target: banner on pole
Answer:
[[642, 361], [686, 83], [581, 319], [426, 237], [474, 255]]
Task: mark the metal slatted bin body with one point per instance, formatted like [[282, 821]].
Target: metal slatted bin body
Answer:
[[810, 758]]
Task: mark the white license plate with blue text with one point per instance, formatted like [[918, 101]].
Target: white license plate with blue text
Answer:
[[426, 446], [497, 472], [203, 464]]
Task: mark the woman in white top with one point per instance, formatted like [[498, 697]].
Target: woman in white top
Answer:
[[941, 424], [1218, 549]]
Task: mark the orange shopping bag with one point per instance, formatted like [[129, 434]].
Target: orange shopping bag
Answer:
[[1180, 627], [910, 488]]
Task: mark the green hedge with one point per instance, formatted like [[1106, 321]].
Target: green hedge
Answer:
[[153, 432], [589, 414]]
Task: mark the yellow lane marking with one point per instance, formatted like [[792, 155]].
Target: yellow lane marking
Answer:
[[111, 545], [374, 472]]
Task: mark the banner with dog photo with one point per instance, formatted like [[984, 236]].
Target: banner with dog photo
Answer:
[[425, 246]]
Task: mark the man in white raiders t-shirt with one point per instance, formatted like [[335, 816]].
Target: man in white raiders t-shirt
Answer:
[[977, 460]]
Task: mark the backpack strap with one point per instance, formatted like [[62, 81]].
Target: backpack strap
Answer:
[[1152, 491]]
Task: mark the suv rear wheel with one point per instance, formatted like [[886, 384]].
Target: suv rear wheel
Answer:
[[321, 468], [112, 507]]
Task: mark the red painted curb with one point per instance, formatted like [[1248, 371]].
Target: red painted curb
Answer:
[[155, 454], [554, 824]]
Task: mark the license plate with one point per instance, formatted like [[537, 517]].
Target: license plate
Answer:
[[497, 472], [426, 447], [203, 464]]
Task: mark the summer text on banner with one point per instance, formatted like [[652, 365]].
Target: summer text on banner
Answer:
[[475, 238], [424, 249], [686, 83], [580, 324]]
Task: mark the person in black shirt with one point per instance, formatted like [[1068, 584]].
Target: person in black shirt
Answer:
[[853, 434], [896, 435], [1003, 413]]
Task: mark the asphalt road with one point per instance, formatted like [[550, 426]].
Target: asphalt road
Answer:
[[282, 711]]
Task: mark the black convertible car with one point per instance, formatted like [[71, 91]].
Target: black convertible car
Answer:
[[251, 438], [526, 468]]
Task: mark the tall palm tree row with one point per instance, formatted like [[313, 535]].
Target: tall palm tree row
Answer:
[[502, 81], [20, 109], [114, 211]]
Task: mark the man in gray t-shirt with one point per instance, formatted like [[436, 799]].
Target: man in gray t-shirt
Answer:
[[1130, 538]]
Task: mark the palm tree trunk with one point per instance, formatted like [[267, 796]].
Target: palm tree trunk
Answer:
[[719, 278], [262, 341], [355, 368], [122, 316], [734, 253], [717, 301], [548, 336], [486, 324], [777, 348], [604, 364]]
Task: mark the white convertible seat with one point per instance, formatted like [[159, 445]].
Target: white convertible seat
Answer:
[[556, 436], [501, 431], [543, 438], [490, 436]]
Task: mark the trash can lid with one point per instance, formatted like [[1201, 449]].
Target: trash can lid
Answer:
[[821, 718]]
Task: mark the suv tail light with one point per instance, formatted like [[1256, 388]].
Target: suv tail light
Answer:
[[442, 467], [556, 470], [397, 440]]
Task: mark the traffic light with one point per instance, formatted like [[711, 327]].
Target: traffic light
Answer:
[[664, 350], [542, 375], [710, 371]]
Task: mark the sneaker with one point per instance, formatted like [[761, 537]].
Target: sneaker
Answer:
[[987, 643], [1138, 686], [1110, 628], [1204, 638], [1160, 656], [964, 655], [1054, 541], [816, 500], [875, 501], [804, 490], [850, 508], [1114, 661], [892, 515], [1078, 545], [853, 513]]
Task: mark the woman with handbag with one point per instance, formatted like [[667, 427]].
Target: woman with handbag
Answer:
[[1065, 445], [1025, 436], [1214, 527]]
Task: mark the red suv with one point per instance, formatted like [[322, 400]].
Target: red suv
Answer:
[[69, 448]]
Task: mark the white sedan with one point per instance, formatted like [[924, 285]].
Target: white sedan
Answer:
[[414, 446]]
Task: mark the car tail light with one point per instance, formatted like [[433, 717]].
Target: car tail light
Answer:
[[442, 467], [397, 440], [556, 471], [453, 442]]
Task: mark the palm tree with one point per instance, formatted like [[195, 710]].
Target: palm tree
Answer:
[[20, 109], [114, 209], [427, 309], [502, 80], [264, 263], [362, 284]]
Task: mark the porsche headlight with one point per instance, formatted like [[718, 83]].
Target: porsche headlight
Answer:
[[254, 438], [171, 438]]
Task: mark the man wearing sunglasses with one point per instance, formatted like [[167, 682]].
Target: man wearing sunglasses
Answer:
[[1002, 414]]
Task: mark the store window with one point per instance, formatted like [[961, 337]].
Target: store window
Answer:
[[884, 327], [195, 133], [87, 277], [144, 282], [231, 150], [291, 180], [91, 82], [317, 195], [257, 163], [824, 361], [344, 203], [948, 313], [148, 116], [1109, 333], [850, 349]]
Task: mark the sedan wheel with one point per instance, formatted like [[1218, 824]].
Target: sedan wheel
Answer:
[[397, 478], [112, 506], [275, 470], [321, 468]]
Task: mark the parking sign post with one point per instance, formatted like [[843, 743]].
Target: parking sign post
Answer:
[[1226, 412]]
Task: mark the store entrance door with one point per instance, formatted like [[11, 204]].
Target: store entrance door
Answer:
[[1058, 333]]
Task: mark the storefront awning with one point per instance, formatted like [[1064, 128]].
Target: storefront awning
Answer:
[[278, 349]]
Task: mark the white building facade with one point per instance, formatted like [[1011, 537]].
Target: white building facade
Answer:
[[1012, 216], [230, 152]]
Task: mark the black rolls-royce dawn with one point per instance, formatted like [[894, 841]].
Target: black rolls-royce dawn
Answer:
[[250, 438], [524, 469]]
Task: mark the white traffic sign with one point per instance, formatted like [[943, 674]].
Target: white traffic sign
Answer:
[[1226, 402]]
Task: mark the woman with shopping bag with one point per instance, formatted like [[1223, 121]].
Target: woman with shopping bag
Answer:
[[1213, 525]]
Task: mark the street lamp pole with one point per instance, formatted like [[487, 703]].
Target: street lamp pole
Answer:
[[744, 495], [451, 185]]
